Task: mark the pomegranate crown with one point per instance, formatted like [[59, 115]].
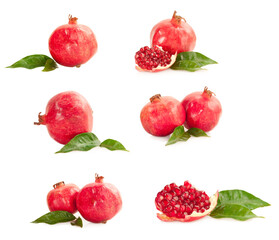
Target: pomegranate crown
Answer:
[[177, 19], [59, 184], [156, 96], [98, 178], [208, 92], [72, 20]]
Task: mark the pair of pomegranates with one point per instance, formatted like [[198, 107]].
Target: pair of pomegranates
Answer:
[[74, 44], [162, 115], [97, 202]]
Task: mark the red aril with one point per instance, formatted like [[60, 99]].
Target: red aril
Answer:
[[184, 203], [72, 44], [203, 110], [99, 202], [63, 197], [173, 35], [153, 59], [67, 115], [162, 115]]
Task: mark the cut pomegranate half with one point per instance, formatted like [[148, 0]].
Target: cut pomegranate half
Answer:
[[184, 203], [153, 59]]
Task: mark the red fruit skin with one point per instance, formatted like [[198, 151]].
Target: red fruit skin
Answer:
[[72, 44], [173, 35], [99, 202], [63, 198], [203, 110], [67, 115], [162, 115]]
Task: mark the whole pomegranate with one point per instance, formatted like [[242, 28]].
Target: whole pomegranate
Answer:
[[99, 202], [184, 203], [63, 197], [153, 59], [203, 110], [173, 35], [67, 115], [162, 115], [72, 44]]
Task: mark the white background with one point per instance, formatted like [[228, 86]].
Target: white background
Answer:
[[241, 152]]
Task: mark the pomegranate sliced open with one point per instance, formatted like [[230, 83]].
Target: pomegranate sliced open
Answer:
[[153, 59], [184, 203]]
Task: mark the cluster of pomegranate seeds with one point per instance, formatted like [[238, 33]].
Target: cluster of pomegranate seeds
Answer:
[[180, 201], [150, 58]]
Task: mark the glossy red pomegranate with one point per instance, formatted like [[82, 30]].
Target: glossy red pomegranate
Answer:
[[63, 197], [99, 202], [173, 35], [72, 44], [184, 203], [203, 110], [162, 115], [67, 115]]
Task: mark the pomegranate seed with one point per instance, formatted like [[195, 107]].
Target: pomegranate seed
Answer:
[[177, 191], [173, 193], [185, 195], [173, 213], [168, 196], [187, 185], [192, 197], [164, 203], [167, 188], [168, 209], [159, 198], [180, 215], [182, 208], [173, 186], [177, 207], [182, 188], [189, 210]]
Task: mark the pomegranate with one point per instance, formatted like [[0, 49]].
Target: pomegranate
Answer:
[[184, 203], [63, 197], [72, 44], [203, 110], [153, 59], [162, 115], [173, 35], [67, 115], [99, 202]]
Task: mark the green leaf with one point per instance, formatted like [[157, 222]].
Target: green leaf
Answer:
[[55, 217], [191, 61], [237, 204], [34, 61], [196, 132], [242, 198], [178, 134], [77, 222], [50, 65], [81, 142], [234, 211], [112, 145]]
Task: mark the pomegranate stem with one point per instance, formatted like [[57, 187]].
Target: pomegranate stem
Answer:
[[72, 20], [41, 119], [208, 92], [157, 96], [59, 184], [177, 19], [98, 178]]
